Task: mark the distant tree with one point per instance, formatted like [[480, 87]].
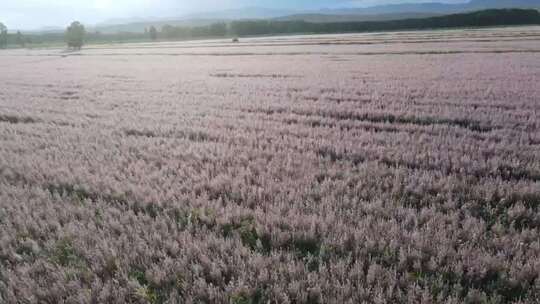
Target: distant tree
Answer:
[[75, 34], [153, 33], [3, 36], [19, 38]]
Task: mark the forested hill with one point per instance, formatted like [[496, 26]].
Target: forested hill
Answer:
[[491, 17]]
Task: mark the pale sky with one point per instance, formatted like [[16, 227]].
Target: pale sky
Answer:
[[33, 14]]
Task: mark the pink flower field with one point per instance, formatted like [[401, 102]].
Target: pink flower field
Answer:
[[367, 168]]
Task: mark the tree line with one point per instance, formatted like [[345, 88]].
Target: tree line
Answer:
[[492, 17], [76, 35]]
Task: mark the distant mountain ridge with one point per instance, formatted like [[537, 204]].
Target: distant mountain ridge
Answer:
[[243, 13], [409, 10], [328, 18], [437, 7]]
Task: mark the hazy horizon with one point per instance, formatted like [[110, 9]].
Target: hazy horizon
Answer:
[[37, 14]]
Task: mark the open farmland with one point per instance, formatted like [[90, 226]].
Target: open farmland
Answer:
[[379, 168]]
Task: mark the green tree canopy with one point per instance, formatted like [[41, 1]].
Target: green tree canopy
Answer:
[[3, 36], [153, 33], [75, 34], [19, 38]]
